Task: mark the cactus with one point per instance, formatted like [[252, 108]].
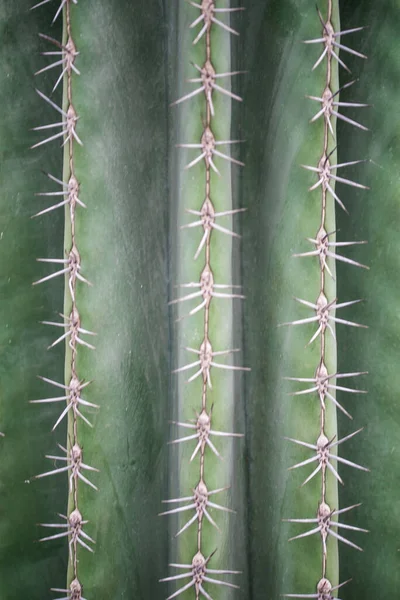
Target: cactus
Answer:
[[194, 266]]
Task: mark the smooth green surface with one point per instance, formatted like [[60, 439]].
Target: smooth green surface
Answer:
[[374, 216], [27, 569], [188, 191], [122, 238], [282, 213]]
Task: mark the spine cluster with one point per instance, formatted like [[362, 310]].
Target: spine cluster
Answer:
[[324, 384], [73, 524], [198, 572]]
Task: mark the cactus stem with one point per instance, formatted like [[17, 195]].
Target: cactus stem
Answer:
[[321, 383], [73, 399], [207, 78], [205, 290]]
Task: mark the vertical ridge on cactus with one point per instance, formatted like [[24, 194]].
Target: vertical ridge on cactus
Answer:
[[323, 381], [208, 327], [285, 216], [72, 264], [325, 527]]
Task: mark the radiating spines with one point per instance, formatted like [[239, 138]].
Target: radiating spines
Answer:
[[208, 147], [208, 83], [326, 177], [74, 592], [325, 315], [199, 502], [199, 573], [73, 330], [73, 528], [71, 265], [68, 124], [325, 388], [70, 193], [324, 591], [206, 290], [203, 431], [331, 44], [206, 360], [207, 219], [324, 457], [68, 55], [324, 525], [72, 396], [324, 249], [329, 108], [74, 463], [324, 385], [207, 18]]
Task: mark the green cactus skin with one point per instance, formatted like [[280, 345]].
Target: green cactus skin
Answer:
[[126, 263], [190, 188], [374, 218], [284, 214]]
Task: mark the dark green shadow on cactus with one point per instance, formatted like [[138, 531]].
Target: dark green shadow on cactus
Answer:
[[27, 568], [374, 216], [122, 240]]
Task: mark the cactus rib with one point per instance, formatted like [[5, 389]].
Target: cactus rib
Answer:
[[73, 527], [324, 384], [205, 291]]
